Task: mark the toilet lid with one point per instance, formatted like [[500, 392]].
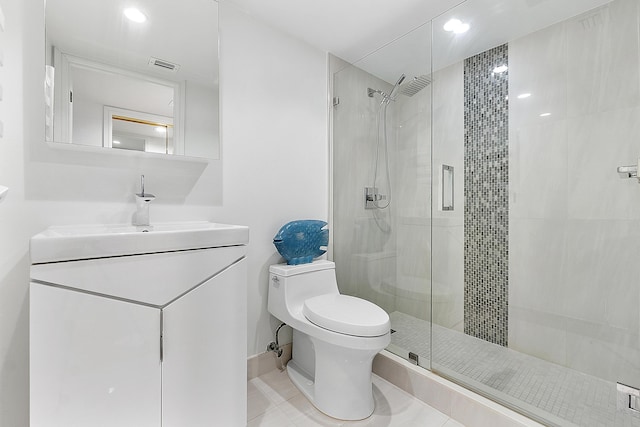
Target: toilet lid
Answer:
[[347, 315]]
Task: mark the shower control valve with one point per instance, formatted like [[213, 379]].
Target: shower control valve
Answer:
[[371, 197]]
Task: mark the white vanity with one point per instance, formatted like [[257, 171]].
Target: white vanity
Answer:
[[138, 327]]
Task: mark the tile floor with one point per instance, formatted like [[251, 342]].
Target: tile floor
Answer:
[[273, 401]]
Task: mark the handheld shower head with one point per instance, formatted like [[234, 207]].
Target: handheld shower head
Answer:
[[386, 98], [396, 86]]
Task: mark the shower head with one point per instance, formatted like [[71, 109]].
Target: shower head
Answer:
[[408, 89], [396, 86], [416, 85]]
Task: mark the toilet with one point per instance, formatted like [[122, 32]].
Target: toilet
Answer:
[[335, 337]]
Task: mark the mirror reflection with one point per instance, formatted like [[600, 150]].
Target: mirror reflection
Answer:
[[143, 79]]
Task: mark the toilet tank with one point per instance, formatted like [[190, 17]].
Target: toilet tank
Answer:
[[291, 285]]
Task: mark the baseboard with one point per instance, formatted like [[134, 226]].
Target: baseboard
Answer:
[[264, 362]]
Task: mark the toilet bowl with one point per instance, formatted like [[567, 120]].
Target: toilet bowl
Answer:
[[335, 337]]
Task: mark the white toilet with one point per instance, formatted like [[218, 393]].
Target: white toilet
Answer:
[[335, 337]]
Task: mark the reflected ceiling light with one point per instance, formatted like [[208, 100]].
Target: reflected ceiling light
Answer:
[[524, 95], [161, 129], [456, 26], [545, 114], [135, 15], [115, 142], [500, 69]]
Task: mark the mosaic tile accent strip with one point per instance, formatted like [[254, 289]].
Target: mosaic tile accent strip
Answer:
[[486, 197], [559, 395]]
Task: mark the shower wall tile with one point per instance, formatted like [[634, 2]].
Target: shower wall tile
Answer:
[[414, 248], [448, 273], [412, 188], [603, 284], [412, 206], [538, 177], [382, 255], [595, 357], [448, 137], [538, 252], [486, 219], [574, 224], [356, 231], [448, 226], [546, 81], [603, 59], [597, 145], [538, 334]]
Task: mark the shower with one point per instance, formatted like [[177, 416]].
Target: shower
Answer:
[[526, 292], [373, 199]]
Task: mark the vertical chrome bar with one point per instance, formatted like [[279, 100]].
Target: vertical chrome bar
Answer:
[[447, 188]]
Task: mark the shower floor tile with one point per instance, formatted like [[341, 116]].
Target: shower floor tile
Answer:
[[561, 395]]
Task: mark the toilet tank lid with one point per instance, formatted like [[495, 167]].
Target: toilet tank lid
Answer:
[[292, 270]]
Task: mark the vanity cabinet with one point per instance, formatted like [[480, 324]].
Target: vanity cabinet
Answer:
[[140, 340]]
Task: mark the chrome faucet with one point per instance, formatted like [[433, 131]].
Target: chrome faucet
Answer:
[[143, 200]]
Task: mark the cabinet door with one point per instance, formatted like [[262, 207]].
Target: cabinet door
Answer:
[[94, 361], [204, 373]]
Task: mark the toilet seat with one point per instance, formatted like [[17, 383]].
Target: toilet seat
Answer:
[[347, 315]]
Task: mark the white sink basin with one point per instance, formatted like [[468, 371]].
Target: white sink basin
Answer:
[[64, 243]]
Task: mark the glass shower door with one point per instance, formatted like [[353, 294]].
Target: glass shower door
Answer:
[[382, 186], [540, 118]]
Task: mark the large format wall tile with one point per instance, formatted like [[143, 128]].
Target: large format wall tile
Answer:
[[602, 59], [597, 144], [538, 176], [545, 81]]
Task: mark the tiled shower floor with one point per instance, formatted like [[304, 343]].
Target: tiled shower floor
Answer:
[[561, 395]]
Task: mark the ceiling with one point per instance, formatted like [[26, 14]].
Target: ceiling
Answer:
[[350, 29], [184, 32], [388, 38]]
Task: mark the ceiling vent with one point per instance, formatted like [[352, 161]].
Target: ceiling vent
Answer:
[[165, 65]]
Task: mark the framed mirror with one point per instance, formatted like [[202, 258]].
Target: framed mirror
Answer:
[[139, 76]]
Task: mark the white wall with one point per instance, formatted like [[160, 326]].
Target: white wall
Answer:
[[273, 169]]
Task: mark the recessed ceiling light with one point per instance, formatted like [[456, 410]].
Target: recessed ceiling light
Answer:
[[456, 26], [545, 114], [500, 69], [135, 15], [524, 95], [462, 28]]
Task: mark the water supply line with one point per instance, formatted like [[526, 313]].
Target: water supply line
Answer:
[[275, 345]]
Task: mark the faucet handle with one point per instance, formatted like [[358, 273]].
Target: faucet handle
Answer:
[[146, 198]]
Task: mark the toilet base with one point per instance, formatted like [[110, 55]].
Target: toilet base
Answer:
[[341, 386]]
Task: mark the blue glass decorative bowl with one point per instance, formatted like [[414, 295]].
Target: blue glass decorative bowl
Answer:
[[299, 242]]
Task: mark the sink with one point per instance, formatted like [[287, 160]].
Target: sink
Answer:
[[72, 242]]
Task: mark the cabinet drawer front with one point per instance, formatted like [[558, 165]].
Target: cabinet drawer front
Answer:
[[154, 279]]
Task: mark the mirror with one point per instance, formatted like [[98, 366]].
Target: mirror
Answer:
[[147, 82]]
